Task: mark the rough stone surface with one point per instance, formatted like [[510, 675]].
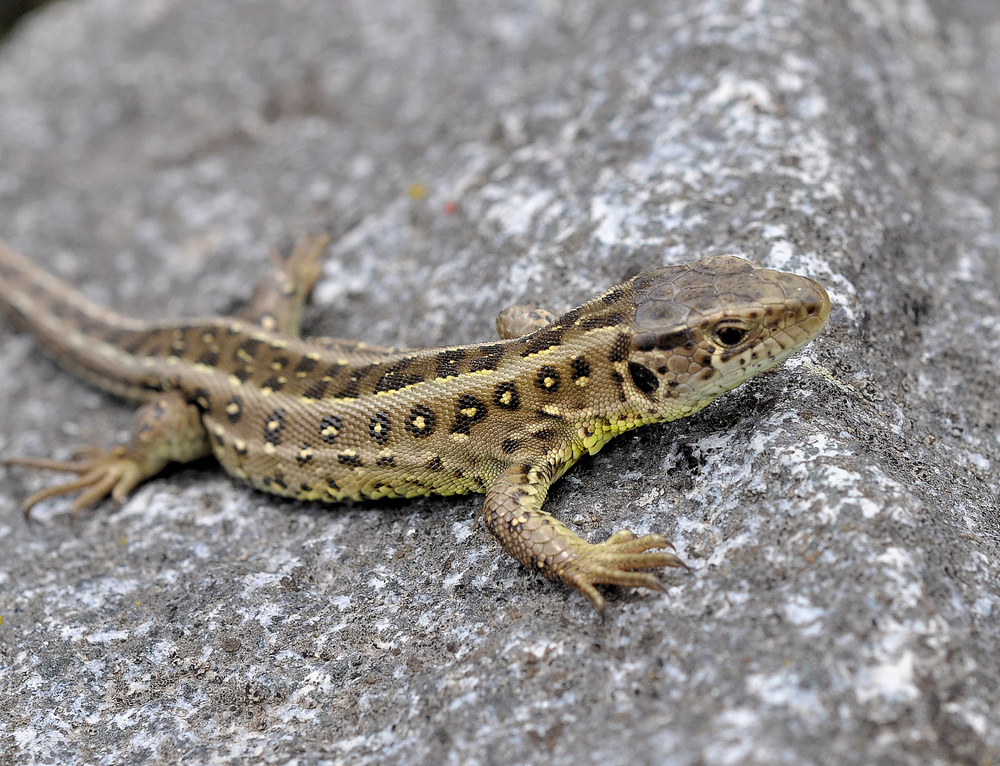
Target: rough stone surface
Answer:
[[840, 515]]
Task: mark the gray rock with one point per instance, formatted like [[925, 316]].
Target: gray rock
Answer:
[[840, 515]]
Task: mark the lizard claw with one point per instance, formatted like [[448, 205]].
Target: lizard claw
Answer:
[[101, 473], [615, 561]]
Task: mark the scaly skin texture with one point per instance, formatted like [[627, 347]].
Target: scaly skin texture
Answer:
[[326, 419]]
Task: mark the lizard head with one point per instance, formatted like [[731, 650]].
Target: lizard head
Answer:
[[703, 328]]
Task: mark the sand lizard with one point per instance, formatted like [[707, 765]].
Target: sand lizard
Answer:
[[326, 419]]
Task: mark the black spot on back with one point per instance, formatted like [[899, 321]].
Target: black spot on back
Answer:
[[447, 361], [305, 454], [581, 367], [273, 427], [396, 377], [329, 428], [612, 296], [548, 378], [349, 458], [540, 340], [468, 410], [208, 357], [489, 358], [305, 366], [599, 322], [203, 399], [316, 389], [619, 350], [350, 390], [506, 397], [567, 319], [275, 384], [421, 421], [379, 427], [249, 347]]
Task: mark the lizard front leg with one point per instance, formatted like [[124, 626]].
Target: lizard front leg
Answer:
[[166, 429], [513, 514]]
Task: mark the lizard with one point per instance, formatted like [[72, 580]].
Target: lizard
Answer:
[[335, 420]]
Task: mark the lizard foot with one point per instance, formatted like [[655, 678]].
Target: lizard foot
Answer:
[[101, 473], [615, 561]]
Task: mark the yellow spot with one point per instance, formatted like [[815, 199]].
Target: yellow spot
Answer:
[[416, 191], [269, 449], [208, 338], [234, 381], [242, 354], [349, 453], [305, 453], [277, 365], [173, 360], [178, 346], [329, 432], [122, 540], [239, 445], [469, 412], [266, 391], [218, 430], [419, 423], [235, 329], [273, 425], [506, 397], [460, 437], [582, 381], [378, 428], [549, 382], [314, 356], [551, 409], [277, 345], [232, 408]]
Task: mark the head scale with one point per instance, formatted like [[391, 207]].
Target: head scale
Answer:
[[703, 328]]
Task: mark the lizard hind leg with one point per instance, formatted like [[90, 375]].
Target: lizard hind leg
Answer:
[[280, 296], [522, 319], [167, 429]]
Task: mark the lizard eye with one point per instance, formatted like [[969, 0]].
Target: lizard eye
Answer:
[[643, 377], [731, 335]]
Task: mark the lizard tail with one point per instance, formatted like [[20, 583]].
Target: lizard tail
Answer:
[[81, 335]]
